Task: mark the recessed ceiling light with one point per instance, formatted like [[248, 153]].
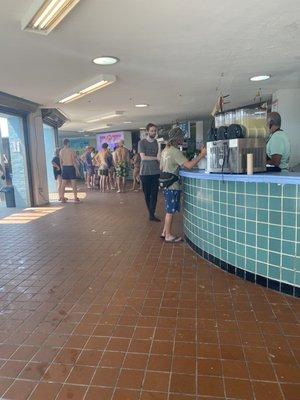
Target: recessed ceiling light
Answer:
[[259, 78], [105, 60], [127, 122], [142, 105], [143, 128]]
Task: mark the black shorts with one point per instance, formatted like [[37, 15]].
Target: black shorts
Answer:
[[56, 175], [103, 172], [68, 172]]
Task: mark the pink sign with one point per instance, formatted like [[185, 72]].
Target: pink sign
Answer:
[[111, 138]]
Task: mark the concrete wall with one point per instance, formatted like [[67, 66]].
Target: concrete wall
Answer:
[[287, 103], [37, 159]]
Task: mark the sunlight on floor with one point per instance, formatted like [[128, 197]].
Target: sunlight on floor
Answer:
[[28, 215]]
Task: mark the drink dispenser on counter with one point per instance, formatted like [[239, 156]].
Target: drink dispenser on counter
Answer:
[[228, 153]]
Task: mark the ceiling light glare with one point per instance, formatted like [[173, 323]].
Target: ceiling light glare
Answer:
[[141, 105], [259, 78], [127, 122], [105, 60]]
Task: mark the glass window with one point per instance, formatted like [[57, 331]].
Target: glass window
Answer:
[[49, 139], [13, 160]]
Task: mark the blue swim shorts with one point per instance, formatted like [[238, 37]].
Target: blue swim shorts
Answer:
[[172, 201]]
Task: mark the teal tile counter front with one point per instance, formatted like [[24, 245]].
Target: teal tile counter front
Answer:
[[248, 228]]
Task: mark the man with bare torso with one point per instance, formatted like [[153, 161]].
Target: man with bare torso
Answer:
[[69, 168]]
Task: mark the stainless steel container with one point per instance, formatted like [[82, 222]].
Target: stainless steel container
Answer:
[[230, 156]]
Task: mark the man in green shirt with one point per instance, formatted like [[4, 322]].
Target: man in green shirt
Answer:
[[171, 160], [278, 144]]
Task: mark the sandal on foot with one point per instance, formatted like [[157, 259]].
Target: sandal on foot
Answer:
[[162, 237], [175, 239]]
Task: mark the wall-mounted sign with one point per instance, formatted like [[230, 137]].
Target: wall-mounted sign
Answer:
[[111, 138]]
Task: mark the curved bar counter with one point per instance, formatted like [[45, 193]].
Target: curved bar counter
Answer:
[[248, 225]]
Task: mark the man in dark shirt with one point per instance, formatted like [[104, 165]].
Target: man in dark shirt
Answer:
[[148, 149]]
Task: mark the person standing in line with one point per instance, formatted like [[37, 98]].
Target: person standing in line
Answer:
[[121, 160], [89, 167], [149, 173], [136, 165], [57, 173], [101, 160], [69, 168], [111, 170], [80, 165], [171, 160]]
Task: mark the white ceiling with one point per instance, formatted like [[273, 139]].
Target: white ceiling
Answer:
[[172, 54]]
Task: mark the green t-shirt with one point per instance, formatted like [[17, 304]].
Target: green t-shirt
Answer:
[[170, 161], [279, 144]]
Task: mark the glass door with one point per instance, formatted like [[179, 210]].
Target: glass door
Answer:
[[50, 145], [15, 187]]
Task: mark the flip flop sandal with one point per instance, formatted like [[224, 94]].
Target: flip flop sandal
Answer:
[[162, 237], [174, 240]]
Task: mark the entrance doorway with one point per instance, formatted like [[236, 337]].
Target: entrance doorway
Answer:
[[14, 185], [50, 145]]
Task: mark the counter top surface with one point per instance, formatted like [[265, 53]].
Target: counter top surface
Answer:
[[275, 177]]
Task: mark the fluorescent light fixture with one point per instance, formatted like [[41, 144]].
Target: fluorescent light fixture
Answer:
[[143, 128], [70, 98], [97, 129], [127, 122], [110, 116], [44, 15], [90, 87], [260, 78], [142, 105], [105, 60], [107, 116]]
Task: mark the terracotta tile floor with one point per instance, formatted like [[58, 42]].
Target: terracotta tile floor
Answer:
[[95, 306]]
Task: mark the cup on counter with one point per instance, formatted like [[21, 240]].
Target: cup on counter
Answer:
[[250, 164]]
